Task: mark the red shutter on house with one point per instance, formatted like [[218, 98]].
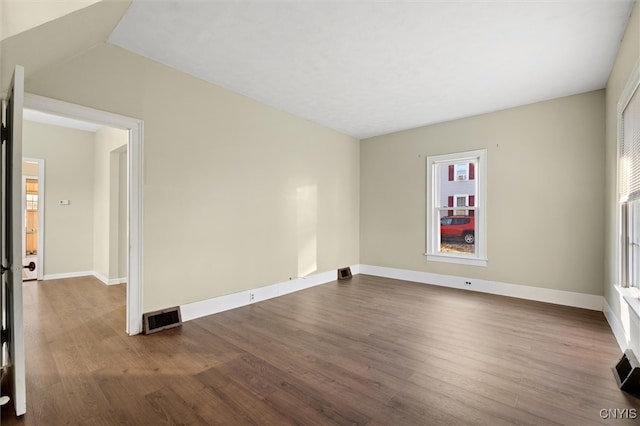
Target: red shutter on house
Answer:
[[472, 171], [450, 202], [451, 172], [472, 203]]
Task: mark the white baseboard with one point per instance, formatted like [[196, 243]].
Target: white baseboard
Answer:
[[108, 281], [558, 297], [215, 305], [67, 275], [99, 276], [616, 327], [203, 308]]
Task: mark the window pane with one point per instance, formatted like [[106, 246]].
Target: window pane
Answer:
[[457, 225], [457, 232], [461, 171], [624, 245], [630, 149], [457, 186]]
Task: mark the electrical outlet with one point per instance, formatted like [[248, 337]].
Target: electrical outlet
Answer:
[[252, 297], [467, 283]]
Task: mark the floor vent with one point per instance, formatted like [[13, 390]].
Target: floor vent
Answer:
[[627, 373], [344, 273], [161, 320]]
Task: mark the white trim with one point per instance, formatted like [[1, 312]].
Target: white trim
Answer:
[[107, 281], [191, 311], [616, 327], [101, 277], [79, 274], [453, 258], [69, 275], [135, 173], [631, 297], [630, 87], [59, 121], [558, 297], [432, 228]]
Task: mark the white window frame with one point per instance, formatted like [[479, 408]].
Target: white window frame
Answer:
[[433, 183], [630, 294]]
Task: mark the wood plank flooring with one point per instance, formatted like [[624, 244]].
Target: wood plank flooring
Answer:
[[369, 351]]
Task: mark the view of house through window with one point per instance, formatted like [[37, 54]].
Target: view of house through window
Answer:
[[453, 194], [457, 189]]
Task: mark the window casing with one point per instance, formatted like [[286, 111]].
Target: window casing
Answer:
[[456, 208]]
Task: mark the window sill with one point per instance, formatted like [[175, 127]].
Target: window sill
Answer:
[[632, 297], [461, 260]]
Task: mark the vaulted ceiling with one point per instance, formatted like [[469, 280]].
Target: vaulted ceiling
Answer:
[[367, 68]]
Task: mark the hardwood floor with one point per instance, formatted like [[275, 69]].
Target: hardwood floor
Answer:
[[368, 351]]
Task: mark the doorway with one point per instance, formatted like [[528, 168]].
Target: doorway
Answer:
[[133, 239], [33, 208]]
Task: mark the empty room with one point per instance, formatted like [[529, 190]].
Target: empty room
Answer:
[[319, 212]]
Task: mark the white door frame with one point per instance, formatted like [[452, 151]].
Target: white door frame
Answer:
[[41, 183], [134, 173]]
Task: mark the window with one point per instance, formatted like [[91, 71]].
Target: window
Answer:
[[461, 171], [456, 208], [462, 201], [629, 184]]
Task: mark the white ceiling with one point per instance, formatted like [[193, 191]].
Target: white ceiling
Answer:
[[367, 68]]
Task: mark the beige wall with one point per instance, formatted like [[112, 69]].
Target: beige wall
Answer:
[[68, 231], [236, 194], [545, 194], [626, 59], [239, 195], [30, 169], [83, 167], [106, 201], [64, 37], [19, 15]]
